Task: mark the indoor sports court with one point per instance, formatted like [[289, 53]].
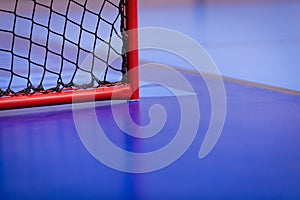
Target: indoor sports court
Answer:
[[127, 99]]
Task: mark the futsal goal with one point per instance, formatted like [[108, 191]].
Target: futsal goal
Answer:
[[53, 50]]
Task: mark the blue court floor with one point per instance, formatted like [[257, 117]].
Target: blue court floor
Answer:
[[256, 157]]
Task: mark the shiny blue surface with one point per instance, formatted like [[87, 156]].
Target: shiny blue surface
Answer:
[[257, 156]]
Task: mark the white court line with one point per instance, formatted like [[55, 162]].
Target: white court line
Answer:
[[155, 90]]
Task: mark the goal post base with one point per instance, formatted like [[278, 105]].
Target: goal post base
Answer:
[[67, 97]]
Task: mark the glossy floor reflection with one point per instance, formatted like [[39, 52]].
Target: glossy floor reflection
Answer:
[[257, 155]]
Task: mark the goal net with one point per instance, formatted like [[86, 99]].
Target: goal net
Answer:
[[52, 49]]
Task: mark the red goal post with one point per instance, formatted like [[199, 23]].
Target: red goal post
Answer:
[[128, 90]]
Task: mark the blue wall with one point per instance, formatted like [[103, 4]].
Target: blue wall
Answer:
[[257, 42]]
